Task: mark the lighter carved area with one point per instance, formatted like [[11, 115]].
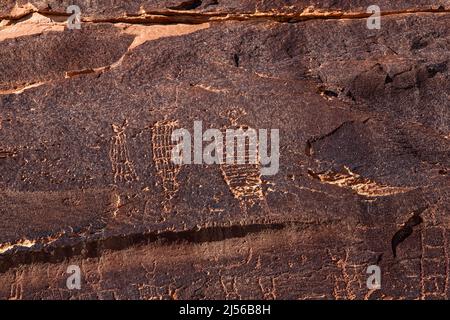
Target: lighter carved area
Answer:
[[244, 180], [362, 186], [122, 166], [167, 171]]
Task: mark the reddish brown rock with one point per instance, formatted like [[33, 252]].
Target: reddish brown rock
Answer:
[[364, 147]]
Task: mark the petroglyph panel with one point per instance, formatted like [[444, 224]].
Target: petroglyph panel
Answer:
[[122, 166], [364, 141], [166, 169], [242, 170]]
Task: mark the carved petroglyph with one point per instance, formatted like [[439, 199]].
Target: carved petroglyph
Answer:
[[360, 185], [244, 180], [162, 156], [267, 286], [347, 281], [149, 290], [434, 262], [229, 287], [123, 168], [116, 203], [17, 286], [7, 152]]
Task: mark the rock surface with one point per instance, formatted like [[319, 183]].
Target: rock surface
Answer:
[[364, 120]]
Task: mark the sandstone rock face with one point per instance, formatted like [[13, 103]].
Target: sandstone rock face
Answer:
[[86, 117]]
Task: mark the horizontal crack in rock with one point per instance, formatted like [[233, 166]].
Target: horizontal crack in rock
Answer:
[[189, 17], [41, 251]]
